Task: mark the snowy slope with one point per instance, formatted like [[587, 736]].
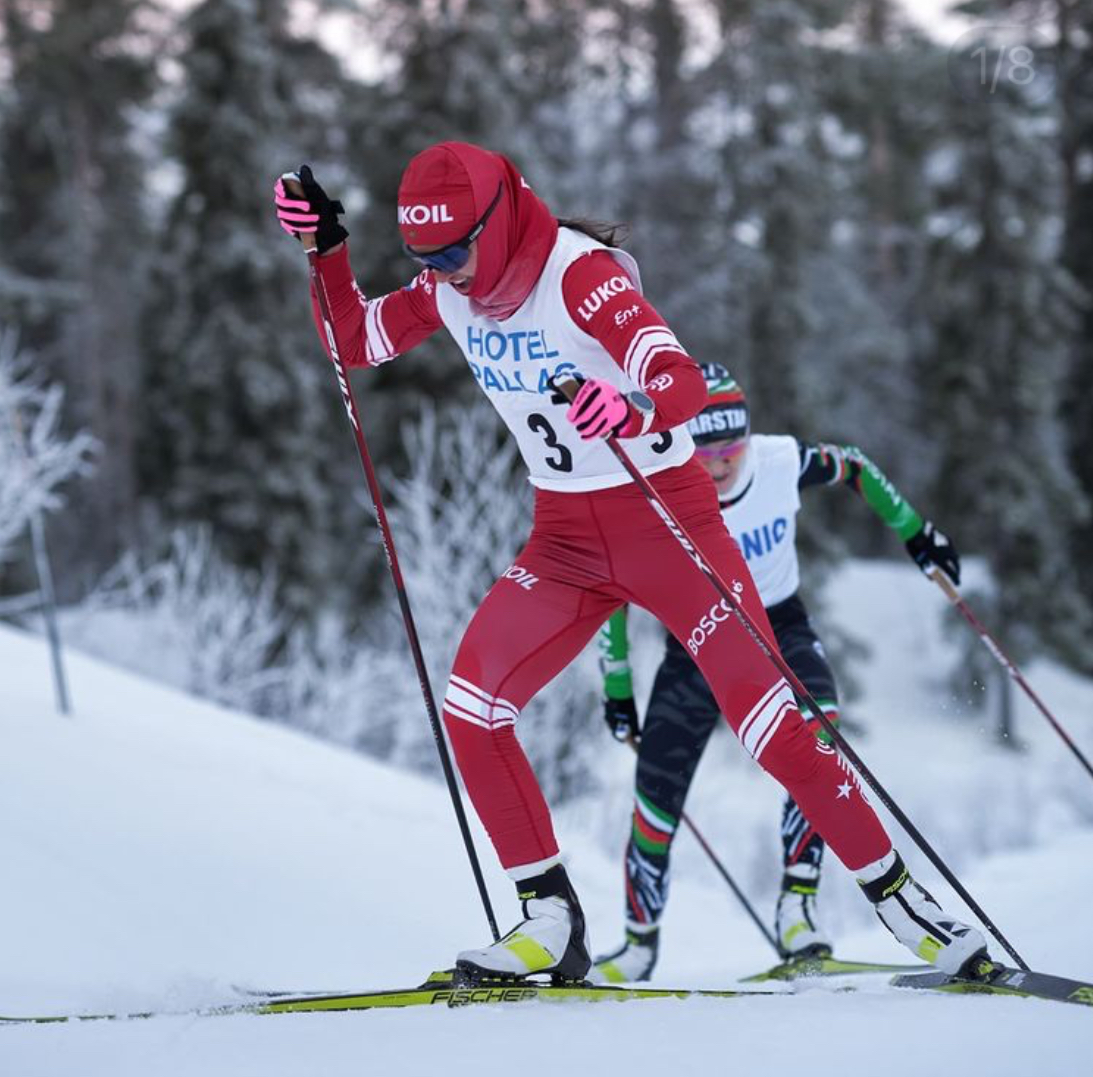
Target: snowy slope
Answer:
[[159, 850]]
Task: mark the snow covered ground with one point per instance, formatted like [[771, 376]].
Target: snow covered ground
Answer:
[[159, 850]]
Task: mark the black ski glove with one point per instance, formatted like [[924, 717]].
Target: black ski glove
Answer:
[[930, 548], [621, 716], [329, 232]]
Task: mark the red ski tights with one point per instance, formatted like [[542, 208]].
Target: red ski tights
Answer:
[[587, 554]]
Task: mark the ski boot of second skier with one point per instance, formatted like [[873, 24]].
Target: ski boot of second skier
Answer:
[[796, 927], [552, 939], [915, 918], [633, 962]]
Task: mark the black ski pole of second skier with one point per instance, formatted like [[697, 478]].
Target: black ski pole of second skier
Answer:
[[957, 600], [724, 873], [568, 387], [740, 895], [392, 563]]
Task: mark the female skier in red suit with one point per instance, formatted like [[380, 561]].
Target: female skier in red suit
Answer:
[[527, 297]]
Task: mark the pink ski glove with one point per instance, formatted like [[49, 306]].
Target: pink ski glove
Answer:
[[296, 216], [309, 212], [599, 410]]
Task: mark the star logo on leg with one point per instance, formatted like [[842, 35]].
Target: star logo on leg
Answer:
[[844, 791]]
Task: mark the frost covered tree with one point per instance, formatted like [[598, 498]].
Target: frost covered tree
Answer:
[[245, 432], [496, 72], [778, 199], [883, 99], [459, 517], [459, 514], [1002, 312], [1075, 24], [184, 615], [664, 187], [36, 459], [76, 78], [1062, 64]]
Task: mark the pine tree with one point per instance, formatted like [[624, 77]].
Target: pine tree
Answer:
[[777, 194], [665, 188], [73, 260], [1002, 313], [883, 99], [493, 72], [244, 430], [1075, 44]]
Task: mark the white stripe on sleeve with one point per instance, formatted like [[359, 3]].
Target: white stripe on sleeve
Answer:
[[377, 344], [648, 342]]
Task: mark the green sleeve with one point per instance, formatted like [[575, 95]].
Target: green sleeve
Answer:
[[847, 464], [614, 657], [881, 495]]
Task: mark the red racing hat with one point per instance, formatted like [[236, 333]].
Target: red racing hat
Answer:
[[447, 189], [436, 204]]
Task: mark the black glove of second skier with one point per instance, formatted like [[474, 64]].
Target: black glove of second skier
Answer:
[[621, 716], [930, 548]]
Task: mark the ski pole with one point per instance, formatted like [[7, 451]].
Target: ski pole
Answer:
[[723, 871], [294, 187], [740, 895], [992, 645], [568, 386]]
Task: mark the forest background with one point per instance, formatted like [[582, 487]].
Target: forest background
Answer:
[[887, 239]]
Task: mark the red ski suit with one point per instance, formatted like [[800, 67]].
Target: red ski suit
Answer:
[[590, 551]]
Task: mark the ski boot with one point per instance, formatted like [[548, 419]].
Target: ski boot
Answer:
[[630, 963], [552, 938], [799, 935], [916, 920]]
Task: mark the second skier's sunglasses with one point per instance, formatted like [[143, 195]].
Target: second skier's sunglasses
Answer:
[[721, 450], [454, 256]]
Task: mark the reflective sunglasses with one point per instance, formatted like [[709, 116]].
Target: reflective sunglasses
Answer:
[[721, 450], [454, 256]]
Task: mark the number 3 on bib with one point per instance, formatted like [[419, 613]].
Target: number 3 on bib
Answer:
[[539, 424]]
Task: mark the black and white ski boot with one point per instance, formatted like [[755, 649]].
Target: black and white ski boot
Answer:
[[632, 962], [916, 920], [796, 927], [552, 938]]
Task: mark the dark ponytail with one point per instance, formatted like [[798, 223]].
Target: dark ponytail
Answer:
[[610, 234]]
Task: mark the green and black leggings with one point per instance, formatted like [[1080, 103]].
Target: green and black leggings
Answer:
[[679, 720]]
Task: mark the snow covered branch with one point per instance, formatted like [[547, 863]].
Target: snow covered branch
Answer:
[[191, 619], [459, 517], [35, 458]]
